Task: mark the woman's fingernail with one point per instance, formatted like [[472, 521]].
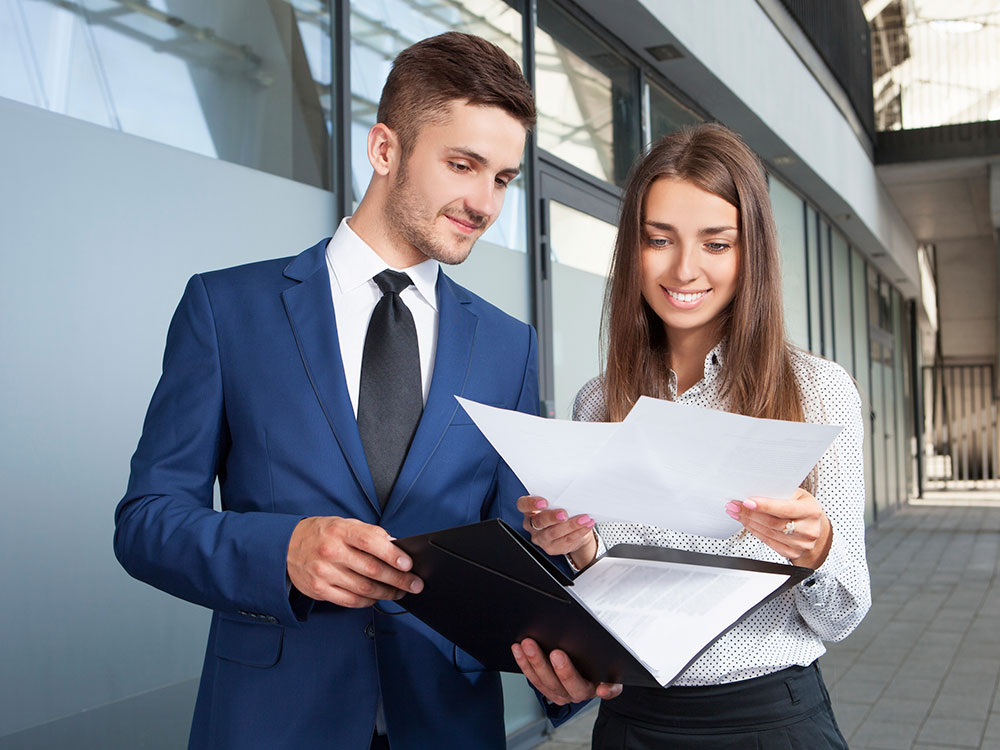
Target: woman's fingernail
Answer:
[[584, 520], [732, 507], [734, 516], [750, 505], [561, 515], [590, 523], [541, 504]]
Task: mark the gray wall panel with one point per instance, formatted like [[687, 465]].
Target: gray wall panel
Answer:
[[99, 232]]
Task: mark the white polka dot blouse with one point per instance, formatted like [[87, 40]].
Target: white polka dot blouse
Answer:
[[791, 628]]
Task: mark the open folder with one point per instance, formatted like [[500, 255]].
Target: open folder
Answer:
[[639, 615]]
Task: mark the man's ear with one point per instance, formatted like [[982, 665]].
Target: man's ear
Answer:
[[383, 148]]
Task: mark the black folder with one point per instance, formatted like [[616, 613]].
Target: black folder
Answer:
[[486, 587]]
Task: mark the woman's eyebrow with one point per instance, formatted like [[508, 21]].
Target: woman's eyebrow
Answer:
[[707, 230]]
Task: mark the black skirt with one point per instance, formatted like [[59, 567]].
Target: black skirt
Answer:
[[786, 710]]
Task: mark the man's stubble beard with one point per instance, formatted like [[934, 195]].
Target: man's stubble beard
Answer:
[[410, 220]]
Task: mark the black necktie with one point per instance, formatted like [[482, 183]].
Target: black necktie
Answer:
[[390, 399]]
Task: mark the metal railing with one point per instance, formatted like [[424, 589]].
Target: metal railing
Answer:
[[839, 32], [928, 72], [961, 416]]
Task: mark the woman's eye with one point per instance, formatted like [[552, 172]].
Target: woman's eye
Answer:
[[657, 241], [718, 247]]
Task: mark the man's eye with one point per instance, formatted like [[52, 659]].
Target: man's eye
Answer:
[[501, 182], [458, 167]]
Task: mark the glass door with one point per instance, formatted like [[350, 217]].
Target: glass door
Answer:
[[577, 244]]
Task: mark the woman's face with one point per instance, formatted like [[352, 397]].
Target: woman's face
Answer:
[[690, 255]]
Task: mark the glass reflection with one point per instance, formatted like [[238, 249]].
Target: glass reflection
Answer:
[[382, 29], [247, 82], [587, 98], [666, 114], [581, 258]]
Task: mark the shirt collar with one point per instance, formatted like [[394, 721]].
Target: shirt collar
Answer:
[[354, 263]]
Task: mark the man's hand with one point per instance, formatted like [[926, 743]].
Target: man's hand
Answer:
[[556, 678], [348, 562]]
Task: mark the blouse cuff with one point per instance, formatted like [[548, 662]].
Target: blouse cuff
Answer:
[[601, 549], [835, 564]]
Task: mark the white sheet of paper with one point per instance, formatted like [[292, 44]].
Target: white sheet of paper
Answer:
[[564, 447], [666, 613], [669, 465]]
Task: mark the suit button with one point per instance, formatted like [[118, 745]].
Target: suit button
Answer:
[[370, 631], [272, 619]]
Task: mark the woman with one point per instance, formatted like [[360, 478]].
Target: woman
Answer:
[[694, 314]]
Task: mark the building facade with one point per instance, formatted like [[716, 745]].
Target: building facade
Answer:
[[142, 142]]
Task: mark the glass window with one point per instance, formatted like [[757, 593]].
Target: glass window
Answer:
[[587, 97], [247, 82], [582, 246], [840, 263], [826, 287], [862, 372], [788, 211], [498, 267], [813, 267], [666, 114]]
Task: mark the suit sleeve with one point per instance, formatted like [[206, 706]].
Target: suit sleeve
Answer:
[[167, 533], [503, 504]]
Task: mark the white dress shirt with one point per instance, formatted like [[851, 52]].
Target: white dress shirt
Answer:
[[791, 628], [353, 266]]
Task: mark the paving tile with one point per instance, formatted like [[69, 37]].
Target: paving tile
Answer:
[[913, 688], [954, 706], [901, 709], [884, 734], [952, 732], [992, 736], [849, 715]]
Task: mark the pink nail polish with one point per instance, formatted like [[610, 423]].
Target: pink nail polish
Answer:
[[561, 516], [583, 520], [732, 507], [750, 505], [541, 504]]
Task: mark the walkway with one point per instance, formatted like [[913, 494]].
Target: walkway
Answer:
[[920, 673]]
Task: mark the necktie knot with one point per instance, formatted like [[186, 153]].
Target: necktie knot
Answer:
[[392, 281]]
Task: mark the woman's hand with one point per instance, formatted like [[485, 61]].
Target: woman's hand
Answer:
[[556, 532], [797, 529]]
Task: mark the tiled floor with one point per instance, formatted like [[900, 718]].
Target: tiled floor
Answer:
[[920, 673]]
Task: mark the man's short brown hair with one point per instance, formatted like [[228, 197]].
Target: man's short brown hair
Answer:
[[428, 75]]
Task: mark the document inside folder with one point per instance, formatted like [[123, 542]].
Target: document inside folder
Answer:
[[639, 615]]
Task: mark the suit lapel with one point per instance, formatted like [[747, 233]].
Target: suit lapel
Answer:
[[456, 331], [309, 306]]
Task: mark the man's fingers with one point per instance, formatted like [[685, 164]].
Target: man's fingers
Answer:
[[344, 598], [527, 668], [377, 571], [376, 542], [543, 670], [576, 686], [608, 690]]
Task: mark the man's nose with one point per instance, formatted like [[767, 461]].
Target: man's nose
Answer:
[[486, 200]]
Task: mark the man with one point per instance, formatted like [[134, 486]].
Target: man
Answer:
[[319, 390]]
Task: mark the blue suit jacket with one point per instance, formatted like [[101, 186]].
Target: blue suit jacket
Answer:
[[253, 393]]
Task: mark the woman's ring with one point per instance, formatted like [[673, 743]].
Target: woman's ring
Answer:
[[531, 522], [789, 527]]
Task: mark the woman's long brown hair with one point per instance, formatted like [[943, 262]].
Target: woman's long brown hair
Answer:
[[757, 371]]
